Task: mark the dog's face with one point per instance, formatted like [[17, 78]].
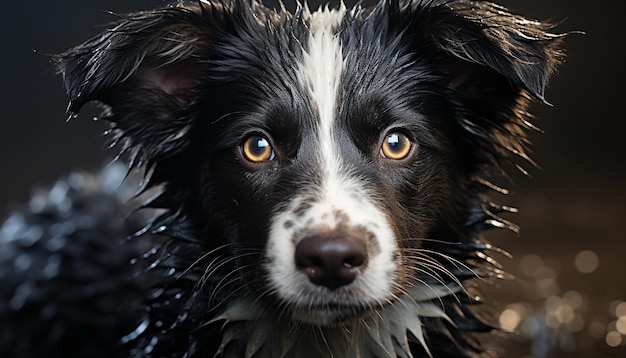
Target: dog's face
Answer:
[[328, 149], [330, 164]]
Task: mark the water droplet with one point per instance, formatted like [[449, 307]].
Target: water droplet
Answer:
[[159, 229], [73, 115], [154, 264], [137, 332], [156, 293], [149, 253], [182, 317], [150, 347]]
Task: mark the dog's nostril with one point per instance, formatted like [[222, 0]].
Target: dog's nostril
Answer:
[[331, 261]]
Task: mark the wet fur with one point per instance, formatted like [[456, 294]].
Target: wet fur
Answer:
[[193, 281]]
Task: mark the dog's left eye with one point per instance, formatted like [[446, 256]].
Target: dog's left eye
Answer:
[[396, 145], [257, 149]]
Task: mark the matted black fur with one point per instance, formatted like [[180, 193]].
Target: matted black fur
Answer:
[[79, 279]]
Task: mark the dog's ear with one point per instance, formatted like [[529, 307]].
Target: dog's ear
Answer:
[[144, 70], [522, 50], [492, 62], [157, 49]]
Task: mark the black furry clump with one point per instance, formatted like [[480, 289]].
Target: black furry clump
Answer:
[[64, 264], [170, 262]]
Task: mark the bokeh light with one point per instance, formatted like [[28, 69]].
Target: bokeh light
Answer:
[[613, 339], [554, 315], [620, 325], [620, 309], [587, 261]]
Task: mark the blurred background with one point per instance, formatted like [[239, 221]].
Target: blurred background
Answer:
[[569, 296]]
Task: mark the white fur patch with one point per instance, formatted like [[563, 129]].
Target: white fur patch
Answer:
[[384, 333], [321, 73], [338, 199]]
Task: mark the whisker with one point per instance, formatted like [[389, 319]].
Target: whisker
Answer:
[[456, 262], [442, 283], [202, 257]]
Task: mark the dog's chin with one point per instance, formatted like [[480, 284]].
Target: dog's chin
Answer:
[[330, 314]]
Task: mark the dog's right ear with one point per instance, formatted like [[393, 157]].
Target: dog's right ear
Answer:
[[145, 71], [157, 49]]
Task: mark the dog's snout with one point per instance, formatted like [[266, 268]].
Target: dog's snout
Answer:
[[330, 260]]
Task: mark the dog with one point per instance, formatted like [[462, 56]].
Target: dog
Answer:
[[295, 184]]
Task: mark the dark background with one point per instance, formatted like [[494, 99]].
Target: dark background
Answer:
[[561, 305]]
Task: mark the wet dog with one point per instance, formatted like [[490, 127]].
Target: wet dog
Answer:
[[314, 183]]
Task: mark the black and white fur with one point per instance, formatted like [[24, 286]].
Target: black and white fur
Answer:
[[277, 222]]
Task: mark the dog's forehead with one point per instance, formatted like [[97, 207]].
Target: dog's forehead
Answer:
[[347, 56], [318, 71], [322, 64]]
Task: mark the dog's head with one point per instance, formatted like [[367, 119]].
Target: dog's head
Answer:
[[340, 155]]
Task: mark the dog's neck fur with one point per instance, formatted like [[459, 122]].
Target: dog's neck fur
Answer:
[[383, 333]]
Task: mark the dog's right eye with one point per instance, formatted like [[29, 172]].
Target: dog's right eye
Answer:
[[257, 149], [397, 145]]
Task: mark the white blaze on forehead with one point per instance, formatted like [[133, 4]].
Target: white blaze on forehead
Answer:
[[320, 71]]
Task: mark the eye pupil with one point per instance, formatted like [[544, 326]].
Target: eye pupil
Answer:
[[261, 145], [396, 146], [257, 148]]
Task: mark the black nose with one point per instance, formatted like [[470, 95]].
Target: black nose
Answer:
[[330, 260]]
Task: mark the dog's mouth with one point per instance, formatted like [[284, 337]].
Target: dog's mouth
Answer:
[[330, 313]]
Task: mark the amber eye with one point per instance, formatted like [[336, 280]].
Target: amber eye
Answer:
[[257, 149], [396, 145]]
